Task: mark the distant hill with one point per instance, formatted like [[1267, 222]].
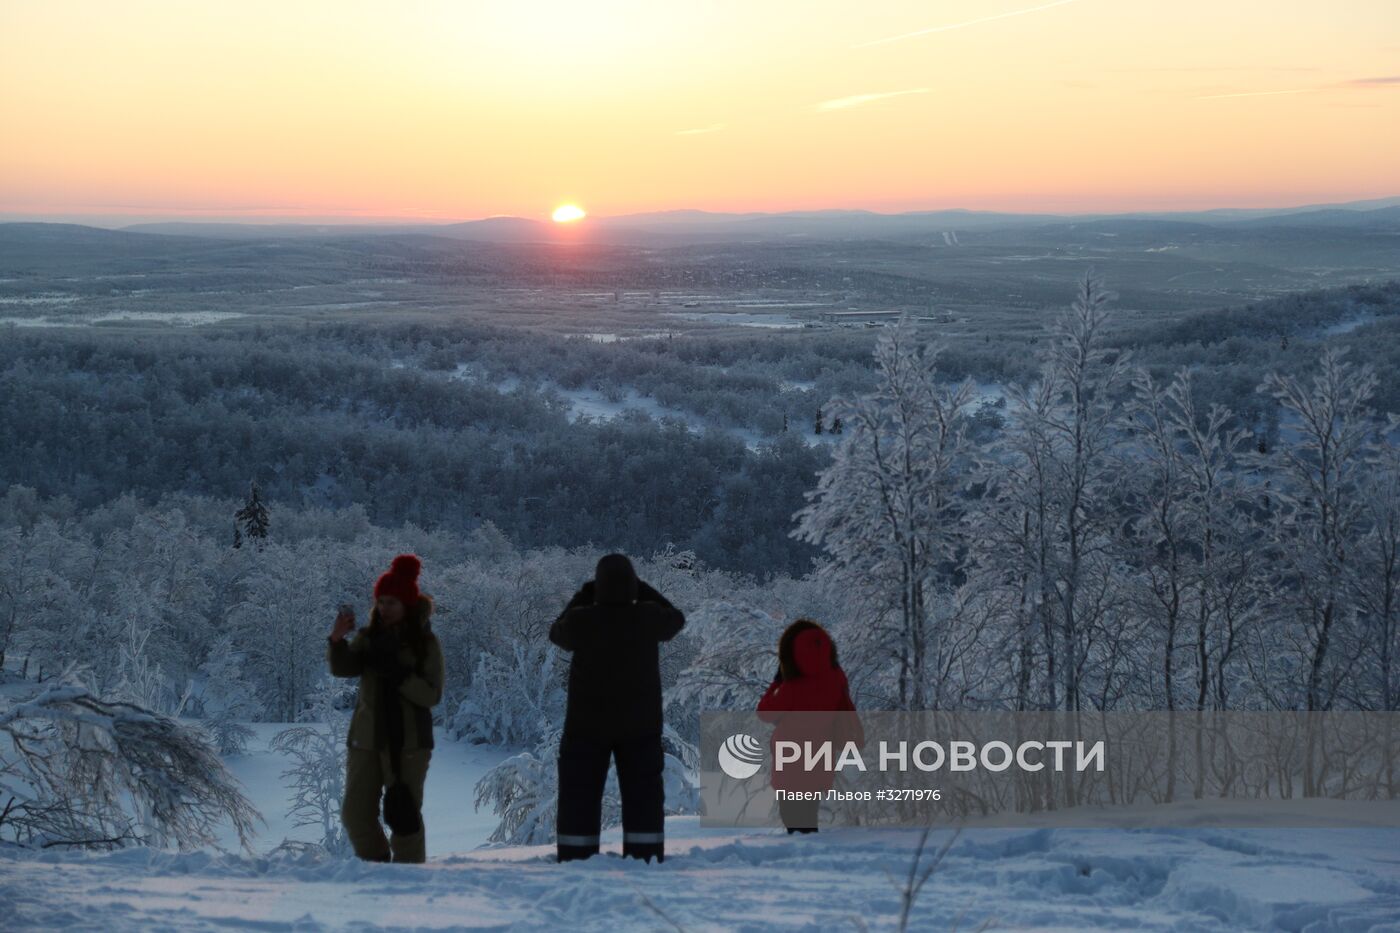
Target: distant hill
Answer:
[[497, 230], [249, 231], [43, 243], [1380, 218], [681, 227]]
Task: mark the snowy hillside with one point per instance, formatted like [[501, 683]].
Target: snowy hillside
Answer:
[[1041, 879]]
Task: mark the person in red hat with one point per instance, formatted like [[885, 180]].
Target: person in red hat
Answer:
[[399, 663]]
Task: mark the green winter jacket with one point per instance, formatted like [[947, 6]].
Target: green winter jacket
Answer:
[[419, 677]]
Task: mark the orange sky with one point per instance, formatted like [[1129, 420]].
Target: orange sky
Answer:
[[453, 110]]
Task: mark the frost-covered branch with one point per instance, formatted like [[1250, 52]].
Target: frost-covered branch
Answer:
[[83, 771]]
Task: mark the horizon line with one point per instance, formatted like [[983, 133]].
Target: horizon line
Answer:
[[118, 220]]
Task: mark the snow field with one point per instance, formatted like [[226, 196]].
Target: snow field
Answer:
[[716, 879], [1026, 879]]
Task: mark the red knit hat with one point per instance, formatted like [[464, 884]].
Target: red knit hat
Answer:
[[401, 581]]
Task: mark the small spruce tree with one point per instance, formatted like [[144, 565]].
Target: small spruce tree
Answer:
[[251, 520]]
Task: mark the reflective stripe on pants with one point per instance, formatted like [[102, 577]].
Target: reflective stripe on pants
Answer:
[[568, 840]]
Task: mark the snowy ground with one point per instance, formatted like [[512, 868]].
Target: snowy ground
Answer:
[[595, 405], [765, 320], [447, 799], [174, 319], [1052, 879], [1029, 879]]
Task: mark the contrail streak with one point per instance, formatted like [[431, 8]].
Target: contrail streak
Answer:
[[949, 27]]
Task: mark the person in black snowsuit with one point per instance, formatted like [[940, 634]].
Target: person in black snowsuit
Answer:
[[613, 627]]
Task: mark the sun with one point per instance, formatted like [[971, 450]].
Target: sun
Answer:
[[568, 213]]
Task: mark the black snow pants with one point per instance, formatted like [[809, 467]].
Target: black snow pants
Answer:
[[583, 772]]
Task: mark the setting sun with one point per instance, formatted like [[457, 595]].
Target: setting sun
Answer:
[[568, 213]]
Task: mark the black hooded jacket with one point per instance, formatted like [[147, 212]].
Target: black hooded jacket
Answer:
[[613, 626]]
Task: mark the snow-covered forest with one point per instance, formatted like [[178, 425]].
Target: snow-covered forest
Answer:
[[1124, 517], [1096, 537]]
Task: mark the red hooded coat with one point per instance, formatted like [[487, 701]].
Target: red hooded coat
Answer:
[[796, 705]]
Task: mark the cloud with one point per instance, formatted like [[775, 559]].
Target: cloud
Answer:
[[1214, 69], [1382, 81], [1296, 90], [856, 100], [949, 27], [701, 130]]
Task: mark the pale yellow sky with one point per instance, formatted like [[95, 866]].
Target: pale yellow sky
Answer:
[[453, 110]]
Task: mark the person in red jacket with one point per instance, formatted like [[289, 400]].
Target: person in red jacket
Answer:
[[809, 682]]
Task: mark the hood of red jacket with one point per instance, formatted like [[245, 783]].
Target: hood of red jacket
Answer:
[[812, 652]]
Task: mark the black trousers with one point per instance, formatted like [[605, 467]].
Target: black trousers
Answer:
[[799, 816], [583, 772]]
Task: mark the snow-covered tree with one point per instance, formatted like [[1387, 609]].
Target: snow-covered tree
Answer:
[[227, 701], [79, 770], [1055, 510], [19, 587], [1088, 376], [515, 701], [1324, 465], [140, 679], [1377, 582], [735, 658], [316, 774], [886, 509], [279, 624], [251, 520], [523, 790], [1191, 537]]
